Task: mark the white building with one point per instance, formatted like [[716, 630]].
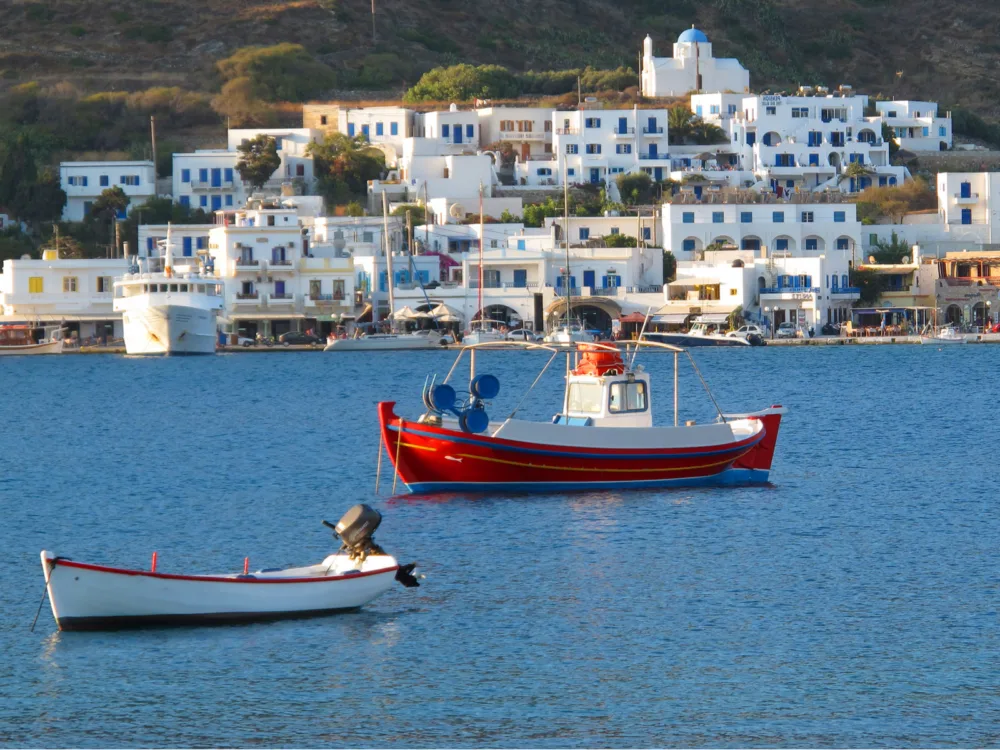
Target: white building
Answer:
[[528, 129], [73, 292], [801, 228], [806, 291], [84, 181], [596, 145], [384, 127], [692, 68], [584, 229], [916, 125], [455, 128], [805, 142], [292, 145], [207, 179], [188, 239]]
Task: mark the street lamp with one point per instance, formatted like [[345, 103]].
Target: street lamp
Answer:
[[767, 311]]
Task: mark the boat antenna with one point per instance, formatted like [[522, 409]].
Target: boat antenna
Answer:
[[642, 333], [388, 259], [168, 259], [569, 289], [482, 313]]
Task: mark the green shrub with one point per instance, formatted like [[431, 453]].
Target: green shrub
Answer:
[[433, 42], [150, 33], [283, 72], [77, 31]]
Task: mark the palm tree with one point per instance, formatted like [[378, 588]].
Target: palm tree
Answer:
[[856, 171], [680, 124]]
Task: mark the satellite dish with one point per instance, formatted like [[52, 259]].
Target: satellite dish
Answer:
[[871, 258], [457, 211], [906, 258]]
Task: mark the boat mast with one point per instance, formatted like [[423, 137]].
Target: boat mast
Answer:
[[388, 259], [569, 289], [482, 312], [168, 258]]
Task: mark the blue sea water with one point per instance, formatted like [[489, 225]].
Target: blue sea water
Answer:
[[853, 602]]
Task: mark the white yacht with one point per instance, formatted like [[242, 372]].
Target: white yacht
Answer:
[[172, 311], [569, 334]]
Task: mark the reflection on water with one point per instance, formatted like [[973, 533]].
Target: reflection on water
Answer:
[[850, 603]]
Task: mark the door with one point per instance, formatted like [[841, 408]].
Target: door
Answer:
[[658, 174], [525, 151], [653, 151], [186, 245], [277, 254], [216, 202], [622, 124], [279, 289], [595, 175], [588, 279], [458, 134], [520, 278], [216, 177], [651, 125], [966, 215]]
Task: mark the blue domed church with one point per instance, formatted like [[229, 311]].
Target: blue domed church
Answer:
[[692, 68]]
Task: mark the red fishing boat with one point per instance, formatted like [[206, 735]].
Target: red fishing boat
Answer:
[[603, 437]]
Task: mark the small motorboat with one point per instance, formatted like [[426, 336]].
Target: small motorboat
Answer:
[[20, 340], [699, 335], [384, 342], [603, 436], [945, 335], [96, 597]]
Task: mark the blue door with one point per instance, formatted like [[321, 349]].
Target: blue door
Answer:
[[588, 278], [458, 134], [277, 254], [622, 124], [966, 215], [595, 175], [216, 202], [697, 192], [216, 178], [966, 189], [186, 245], [279, 288], [652, 151], [658, 174], [651, 125], [520, 278]]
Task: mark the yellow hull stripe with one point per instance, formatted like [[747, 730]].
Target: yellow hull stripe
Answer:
[[419, 447], [603, 470]]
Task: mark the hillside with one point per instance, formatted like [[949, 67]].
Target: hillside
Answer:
[[944, 52]]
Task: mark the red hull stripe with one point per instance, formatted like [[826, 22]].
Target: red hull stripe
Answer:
[[570, 452], [214, 579]]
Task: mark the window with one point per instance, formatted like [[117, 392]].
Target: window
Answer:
[[647, 233], [69, 283], [584, 233], [807, 217], [322, 119], [571, 172], [687, 217], [543, 171], [548, 126], [840, 217], [278, 144], [892, 113], [843, 243], [943, 132], [813, 160], [718, 217], [615, 230], [227, 174], [104, 180], [746, 217], [592, 122], [770, 110], [623, 148], [626, 397], [378, 129], [229, 199], [393, 128], [368, 237], [185, 175], [812, 243], [203, 201], [350, 129], [470, 131], [130, 179], [202, 175], [593, 148], [445, 131], [688, 246], [585, 397], [572, 148], [927, 132], [77, 180], [781, 244], [36, 285], [185, 201], [713, 109], [778, 217]]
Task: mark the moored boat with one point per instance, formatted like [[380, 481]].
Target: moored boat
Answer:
[[20, 340], [383, 342], [699, 335], [603, 437], [945, 335], [85, 596]]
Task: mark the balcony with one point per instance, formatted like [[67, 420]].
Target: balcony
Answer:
[[247, 264], [513, 135], [246, 298], [845, 290], [201, 186], [966, 199], [623, 132], [652, 131], [792, 290], [654, 157], [280, 265], [280, 299], [324, 300], [568, 131]]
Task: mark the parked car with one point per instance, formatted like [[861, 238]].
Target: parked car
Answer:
[[746, 331], [523, 334], [787, 331], [299, 338], [245, 341], [830, 329]]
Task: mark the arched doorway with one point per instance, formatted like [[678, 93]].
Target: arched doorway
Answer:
[[834, 159], [953, 315], [501, 315], [596, 313], [980, 313]]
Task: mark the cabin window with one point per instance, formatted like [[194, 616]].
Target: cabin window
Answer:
[[627, 397], [173, 287], [184, 287], [201, 288], [585, 397]]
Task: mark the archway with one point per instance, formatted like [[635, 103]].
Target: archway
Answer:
[[814, 244], [751, 242], [866, 136], [500, 314], [953, 315], [771, 138], [784, 243], [724, 241], [980, 311], [596, 313], [692, 244], [834, 159]]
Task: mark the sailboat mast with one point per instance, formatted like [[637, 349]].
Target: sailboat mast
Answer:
[[481, 224], [388, 256], [168, 258], [569, 288]]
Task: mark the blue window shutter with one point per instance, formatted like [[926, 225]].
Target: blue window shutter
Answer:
[[203, 201], [393, 128], [185, 175], [104, 180], [521, 245], [228, 174], [445, 131], [378, 129], [229, 199], [203, 175], [646, 233], [201, 242], [688, 246], [149, 244], [186, 201], [350, 129], [186, 246], [470, 131]]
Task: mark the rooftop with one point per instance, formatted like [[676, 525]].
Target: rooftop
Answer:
[[692, 35]]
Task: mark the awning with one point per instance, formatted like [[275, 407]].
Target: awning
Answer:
[[636, 317], [695, 281], [714, 317], [671, 318]]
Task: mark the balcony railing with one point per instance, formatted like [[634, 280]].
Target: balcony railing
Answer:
[[624, 131], [321, 297], [474, 284], [208, 185], [652, 289], [845, 290], [279, 297], [246, 295], [515, 135], [568, 131], [274, 263], [654, 157], [652, 131], [247, 263], [790, 290]]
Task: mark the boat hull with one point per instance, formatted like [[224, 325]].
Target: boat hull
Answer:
[[388, 343], [48, 347], [169, 329], [686, 341], [95, 597], [432, 459], [938, 340]]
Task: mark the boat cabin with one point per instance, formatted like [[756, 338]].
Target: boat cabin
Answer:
[[602, 391], [16, 336], [134, 285]]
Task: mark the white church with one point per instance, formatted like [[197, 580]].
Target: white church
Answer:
[[692, 68]]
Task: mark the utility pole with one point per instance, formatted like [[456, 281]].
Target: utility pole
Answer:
[[118, 237], [152, 134], [579, 93], [373, 21], [409, 232]]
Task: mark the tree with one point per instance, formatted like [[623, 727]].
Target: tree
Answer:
[[111, 203], [464, 82], [46, 200], [680, 124], [636, 188], [506, 217], [282, 72], [889, 136], [18, 173], [707, 133], [258, 160], [159, 211], [534, 214], [344, 165], [66, 247], [669, 266], [855, 171], [892, 251], [508, 155], [619, 240], [416, 213], [238, 102]]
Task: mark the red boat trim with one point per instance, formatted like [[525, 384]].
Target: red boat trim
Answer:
[[213, 579], [124, 622]]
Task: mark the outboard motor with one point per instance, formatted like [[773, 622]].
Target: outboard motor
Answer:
[[355, 529]]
